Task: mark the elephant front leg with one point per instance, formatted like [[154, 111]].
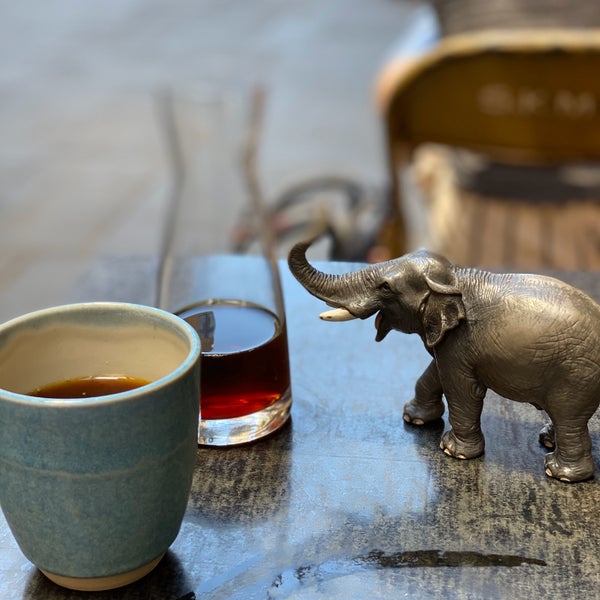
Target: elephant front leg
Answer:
[[427, 405], [465, 403]]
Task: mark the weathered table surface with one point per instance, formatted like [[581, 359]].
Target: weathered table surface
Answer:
[[347, 501]]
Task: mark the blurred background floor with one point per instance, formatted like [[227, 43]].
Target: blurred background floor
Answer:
[[83, 173]]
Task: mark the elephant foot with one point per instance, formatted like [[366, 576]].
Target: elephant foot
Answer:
[[547, 436], [569, 472], [418, 413], [457, 448]]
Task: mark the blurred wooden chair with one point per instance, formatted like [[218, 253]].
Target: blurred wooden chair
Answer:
[[520, 99]]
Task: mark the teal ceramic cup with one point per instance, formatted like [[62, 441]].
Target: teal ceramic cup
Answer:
[[95, 489]]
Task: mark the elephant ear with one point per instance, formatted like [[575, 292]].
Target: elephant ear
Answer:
[[443, 311]]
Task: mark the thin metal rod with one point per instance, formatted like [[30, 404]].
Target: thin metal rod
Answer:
[[168, 129], [264, 216], [250, 167]]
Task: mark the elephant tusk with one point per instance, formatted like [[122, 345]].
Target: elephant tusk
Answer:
[[337, 314]]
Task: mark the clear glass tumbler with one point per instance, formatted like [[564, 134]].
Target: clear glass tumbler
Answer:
[[234, 301]]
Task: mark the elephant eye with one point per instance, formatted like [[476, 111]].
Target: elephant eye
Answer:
[[385, 287]]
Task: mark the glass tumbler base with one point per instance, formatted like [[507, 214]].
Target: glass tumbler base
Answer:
[[241, 430]]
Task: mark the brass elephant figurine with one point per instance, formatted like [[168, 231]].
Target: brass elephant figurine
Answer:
[[529, 338]]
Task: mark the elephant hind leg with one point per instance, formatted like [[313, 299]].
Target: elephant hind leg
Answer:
[[427, 405], [571, 459], [547, 436]]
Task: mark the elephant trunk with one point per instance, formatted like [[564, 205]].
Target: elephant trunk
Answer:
[[341, 291]]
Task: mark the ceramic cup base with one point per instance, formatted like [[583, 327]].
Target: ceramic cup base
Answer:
[[241, 430], [98, 584]]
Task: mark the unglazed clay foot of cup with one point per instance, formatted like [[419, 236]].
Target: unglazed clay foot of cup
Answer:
[[99, 584]]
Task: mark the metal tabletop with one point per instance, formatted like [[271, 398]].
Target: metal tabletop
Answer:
[[347, 501]]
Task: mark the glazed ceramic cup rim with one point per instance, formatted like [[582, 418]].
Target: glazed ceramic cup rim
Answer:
[[182, 326]]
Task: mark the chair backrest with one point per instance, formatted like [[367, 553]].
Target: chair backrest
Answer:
[[520, 95], [516, 96]]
